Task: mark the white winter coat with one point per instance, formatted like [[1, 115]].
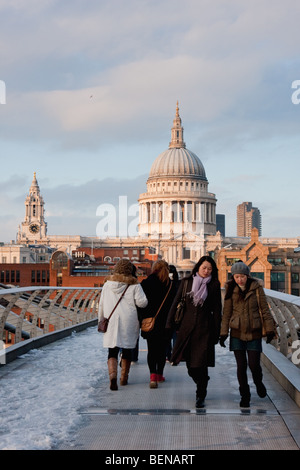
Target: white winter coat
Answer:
[[123, 327]]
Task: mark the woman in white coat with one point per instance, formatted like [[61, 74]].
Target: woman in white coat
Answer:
[[123, 327]]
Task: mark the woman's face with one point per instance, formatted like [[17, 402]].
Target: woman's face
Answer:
[[205, 269], [240, 279]]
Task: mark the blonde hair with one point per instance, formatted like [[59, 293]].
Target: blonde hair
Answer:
[[161, 269]]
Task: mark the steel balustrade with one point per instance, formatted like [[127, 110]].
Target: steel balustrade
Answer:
[[285, 309], [33, 311]]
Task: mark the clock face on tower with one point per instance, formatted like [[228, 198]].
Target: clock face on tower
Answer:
[[34, 228]]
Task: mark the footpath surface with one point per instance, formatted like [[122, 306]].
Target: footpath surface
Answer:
[[136, 418]]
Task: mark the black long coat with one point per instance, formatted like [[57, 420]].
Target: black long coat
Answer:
[[200, 327], [156, 291]]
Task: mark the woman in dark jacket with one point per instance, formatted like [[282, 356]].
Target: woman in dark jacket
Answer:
[[244, 298], [158, 288], [200, 326]]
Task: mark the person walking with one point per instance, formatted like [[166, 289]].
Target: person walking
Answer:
[[160, 291], [173, 275], [123, 327], [244, 299], [200, 326]]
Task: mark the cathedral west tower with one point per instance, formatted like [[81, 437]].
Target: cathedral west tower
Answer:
[[34, 227]]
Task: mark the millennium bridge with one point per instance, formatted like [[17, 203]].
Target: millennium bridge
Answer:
[[54, 388]]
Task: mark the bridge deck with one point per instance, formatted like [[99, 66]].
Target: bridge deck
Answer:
[[66, 384], [139, 418]]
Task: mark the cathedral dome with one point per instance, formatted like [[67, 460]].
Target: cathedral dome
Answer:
[[177, 162]]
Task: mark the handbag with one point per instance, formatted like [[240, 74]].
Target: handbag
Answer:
[[263, 329], [103, 323], [148, 323], [180, 307]]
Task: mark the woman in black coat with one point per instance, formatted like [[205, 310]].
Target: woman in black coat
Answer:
[[200, 327], [158, 288]]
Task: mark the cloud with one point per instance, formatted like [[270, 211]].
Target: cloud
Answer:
[[69, 208], [91, 93]]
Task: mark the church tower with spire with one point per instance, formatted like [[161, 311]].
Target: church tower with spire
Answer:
[[34, 227]]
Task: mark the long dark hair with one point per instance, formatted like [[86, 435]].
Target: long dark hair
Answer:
[[231, 285], [214, 273]]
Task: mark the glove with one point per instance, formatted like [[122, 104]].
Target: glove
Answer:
[[270, 336], [222, 340]]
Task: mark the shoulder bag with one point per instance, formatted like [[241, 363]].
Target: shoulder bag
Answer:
[[263, 329], [180, 306], [103, 323], [148, 323]]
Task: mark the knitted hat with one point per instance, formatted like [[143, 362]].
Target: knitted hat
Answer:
[[124, 266], [240, 268]]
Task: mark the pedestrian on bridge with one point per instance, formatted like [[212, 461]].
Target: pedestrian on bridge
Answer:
[[244, 300], [200, 326], [160, 292], [123, 327]]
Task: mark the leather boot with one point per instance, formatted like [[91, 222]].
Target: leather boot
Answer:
[[201, 391], [261, 389], [125, 367], [245, 396], [257, 379], [112, 364]]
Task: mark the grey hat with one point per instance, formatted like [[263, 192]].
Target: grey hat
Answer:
[[240, 268]]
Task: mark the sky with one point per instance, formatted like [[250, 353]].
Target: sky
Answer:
[[88, 94]]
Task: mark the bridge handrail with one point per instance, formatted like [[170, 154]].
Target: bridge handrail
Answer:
[[285, 309], [56, 308], [34, 311]]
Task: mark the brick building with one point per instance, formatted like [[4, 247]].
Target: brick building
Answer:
[[277, 265]]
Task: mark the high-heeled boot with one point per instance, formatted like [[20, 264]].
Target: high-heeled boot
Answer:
[[245, 396], [125, 367], [112, 364]]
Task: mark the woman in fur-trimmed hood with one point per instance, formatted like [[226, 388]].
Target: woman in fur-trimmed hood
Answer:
[[123, 328]]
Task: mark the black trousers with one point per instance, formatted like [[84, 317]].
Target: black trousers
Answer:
[[156, 357], [254, 365], [200, 377]]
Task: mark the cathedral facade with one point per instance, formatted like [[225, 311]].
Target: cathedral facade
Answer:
[[178, 212], [177, 201]]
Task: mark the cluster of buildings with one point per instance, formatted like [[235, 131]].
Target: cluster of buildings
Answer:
[[177, 222]]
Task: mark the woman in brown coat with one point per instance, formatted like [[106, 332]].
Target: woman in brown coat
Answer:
[[244, 297], [200, 326]]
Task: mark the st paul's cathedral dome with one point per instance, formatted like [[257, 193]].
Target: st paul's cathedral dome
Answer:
[[177, 201]]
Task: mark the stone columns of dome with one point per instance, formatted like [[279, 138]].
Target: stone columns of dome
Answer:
[[185, 215], [202, 212]]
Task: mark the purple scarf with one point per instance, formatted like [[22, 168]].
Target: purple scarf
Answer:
[[199, 289]]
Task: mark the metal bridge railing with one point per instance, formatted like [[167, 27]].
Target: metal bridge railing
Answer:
[[28, 312], [33, 311], [285, 309]]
